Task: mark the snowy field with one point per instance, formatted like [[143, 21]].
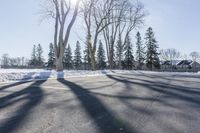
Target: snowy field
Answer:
[[8, 75]]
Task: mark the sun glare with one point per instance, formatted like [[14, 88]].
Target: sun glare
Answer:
[[73, 2]]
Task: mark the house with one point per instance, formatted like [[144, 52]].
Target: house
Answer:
[[188, 64], [180, 65], [169, 65]]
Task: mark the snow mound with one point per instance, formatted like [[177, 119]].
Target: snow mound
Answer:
[[7, 75]]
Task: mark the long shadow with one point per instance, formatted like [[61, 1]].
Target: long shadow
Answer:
[[173, 91], [12, 85], [105, 120], [33, 95], [193, 90]]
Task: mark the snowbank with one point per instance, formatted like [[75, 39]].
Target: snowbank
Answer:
[[7, 75], [40, 74]]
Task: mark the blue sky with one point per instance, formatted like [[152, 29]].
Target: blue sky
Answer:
[[176, 24]]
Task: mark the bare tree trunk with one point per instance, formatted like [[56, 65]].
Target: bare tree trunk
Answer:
[[59, 63], [93, 61], [62, 32]]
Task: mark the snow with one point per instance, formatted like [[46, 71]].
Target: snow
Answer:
[[10, 75]]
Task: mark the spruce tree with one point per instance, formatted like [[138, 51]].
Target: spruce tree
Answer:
[[119, 53], [77, 56], [86, 58], [33, 61], [129, 59], [68, 61], [140, 52], [152, 59], [40, 59], [101, 58], [51, 57]]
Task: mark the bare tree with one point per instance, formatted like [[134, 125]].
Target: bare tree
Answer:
[[106, 16], [195, 56], [133, 18], [64, 15], [5, 60], [170, 55], [110, 31], [96, 13]]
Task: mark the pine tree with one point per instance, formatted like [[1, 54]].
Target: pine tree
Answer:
[[77, 56], [33, 61], [101, 58], [152, 59], [140, 53], [119, 53], [68, 61], [86, 58], [40, 59], [129, 59], [51, 57]]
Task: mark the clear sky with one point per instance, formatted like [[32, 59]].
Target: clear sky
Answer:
[[175, 22]]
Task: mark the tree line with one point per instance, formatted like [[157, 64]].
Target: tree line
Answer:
[[146, 56], [123, 57]]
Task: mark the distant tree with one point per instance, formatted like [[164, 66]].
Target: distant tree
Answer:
[[169, 54], [68, 61], [86, 58], [152, 59], [140, 52], [5, 60], [77, 56], [33, 61], [39, 57], [101, 58], [195, 55], [129, 59], [51, 57]]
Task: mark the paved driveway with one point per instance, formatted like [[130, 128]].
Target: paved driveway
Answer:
[[118, 103]]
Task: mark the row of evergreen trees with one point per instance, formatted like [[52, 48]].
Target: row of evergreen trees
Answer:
[[77, 61], [146, 55], [37, 59]]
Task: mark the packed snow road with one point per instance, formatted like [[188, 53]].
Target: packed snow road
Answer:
[[118, 103]]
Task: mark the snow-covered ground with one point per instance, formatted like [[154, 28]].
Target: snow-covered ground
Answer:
[[7, 75]]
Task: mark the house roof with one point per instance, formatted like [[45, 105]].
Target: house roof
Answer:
[[173, 62], [185, 62]]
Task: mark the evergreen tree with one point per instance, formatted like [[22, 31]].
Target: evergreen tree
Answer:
[[51, 57], [68, 61], [119, 53], [101, 58], [77, 56], [40, 59], [152, 59], [140, 53], [129, 59], [33, 61], [86, 58]]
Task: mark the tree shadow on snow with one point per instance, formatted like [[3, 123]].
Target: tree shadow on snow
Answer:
[[105, 120], [30, 96]]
